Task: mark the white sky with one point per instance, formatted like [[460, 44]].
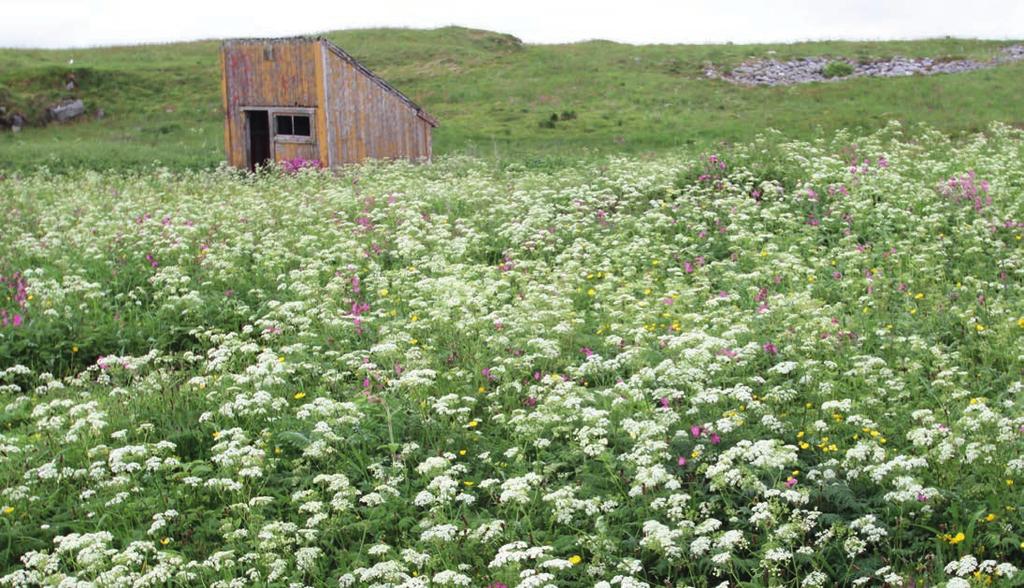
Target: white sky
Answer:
[[76, 23]]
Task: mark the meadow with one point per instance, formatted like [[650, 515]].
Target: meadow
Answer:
[[496, 97], [788, 363]]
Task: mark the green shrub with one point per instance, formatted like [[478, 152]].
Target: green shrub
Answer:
[[837, 69]]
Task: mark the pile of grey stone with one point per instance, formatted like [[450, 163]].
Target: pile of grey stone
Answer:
[[771, 72]]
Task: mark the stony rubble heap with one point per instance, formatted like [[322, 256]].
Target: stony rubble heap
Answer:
[[771, 72]]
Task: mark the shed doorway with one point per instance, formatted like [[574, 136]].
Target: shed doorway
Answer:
[[258, 122]]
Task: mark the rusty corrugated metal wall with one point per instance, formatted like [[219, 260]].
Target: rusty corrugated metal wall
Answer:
[[355, 115]]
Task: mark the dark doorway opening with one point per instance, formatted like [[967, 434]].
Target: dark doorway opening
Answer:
[[259, 137]]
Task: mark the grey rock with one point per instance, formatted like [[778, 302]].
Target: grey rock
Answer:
[[65, 110], [771, 72]]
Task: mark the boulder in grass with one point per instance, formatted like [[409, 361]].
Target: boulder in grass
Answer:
[[16, 121], [65, 110]]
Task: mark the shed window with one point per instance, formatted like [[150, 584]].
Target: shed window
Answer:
[[296, 125]]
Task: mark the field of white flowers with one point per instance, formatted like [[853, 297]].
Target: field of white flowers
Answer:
[[784, 364]]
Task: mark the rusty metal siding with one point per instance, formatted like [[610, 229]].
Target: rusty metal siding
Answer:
[[368, 121]]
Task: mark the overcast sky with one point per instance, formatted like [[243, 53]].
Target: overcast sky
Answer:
[[77, 23]]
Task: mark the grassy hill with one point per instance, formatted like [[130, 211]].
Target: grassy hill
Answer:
[[494, 94]]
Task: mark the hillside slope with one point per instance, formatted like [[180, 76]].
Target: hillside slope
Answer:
[[498, 97]]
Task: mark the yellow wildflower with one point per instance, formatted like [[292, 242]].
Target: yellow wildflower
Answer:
[[299, 395], [575, 560], [953, 540], [473, 423], [8, 510], [165, 541]]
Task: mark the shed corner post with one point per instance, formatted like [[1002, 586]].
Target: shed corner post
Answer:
[[323, 111], [225, 104]]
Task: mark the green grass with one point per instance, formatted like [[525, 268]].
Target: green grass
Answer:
[[492, 94]]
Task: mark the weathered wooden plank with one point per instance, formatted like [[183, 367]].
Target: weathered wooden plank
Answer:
[[228, 119], [284, 151], [357, 115], [323, 135]]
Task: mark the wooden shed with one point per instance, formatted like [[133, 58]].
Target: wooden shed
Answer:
[[306, 98]]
